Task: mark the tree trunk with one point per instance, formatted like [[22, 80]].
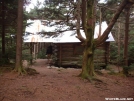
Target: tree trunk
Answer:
[[88, 64], [31, 52], [119, 43], [3, 27], [119, 40], [125, 71], [18, 65], [100, 23]]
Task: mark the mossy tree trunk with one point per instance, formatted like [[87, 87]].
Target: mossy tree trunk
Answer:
[[88, 54], [18, 65]]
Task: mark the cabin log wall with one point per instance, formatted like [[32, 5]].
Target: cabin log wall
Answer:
[[69, 54]]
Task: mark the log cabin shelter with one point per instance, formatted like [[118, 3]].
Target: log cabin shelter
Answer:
[[67, 49]]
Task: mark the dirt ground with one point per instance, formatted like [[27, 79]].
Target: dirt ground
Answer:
[[63, 84]]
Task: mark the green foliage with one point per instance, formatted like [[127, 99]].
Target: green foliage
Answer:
[[26, 55], [80, 60], [9, 55], [131, 48], [116, 58], [113, 53], [98, 55], [42, 54], [4, 61], [128, 68], [51, 10], [10, 8], [131, 67]]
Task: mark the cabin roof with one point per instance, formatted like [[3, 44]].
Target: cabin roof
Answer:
[[64, 37]]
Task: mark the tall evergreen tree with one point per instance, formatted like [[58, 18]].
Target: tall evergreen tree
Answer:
[[18, 65]]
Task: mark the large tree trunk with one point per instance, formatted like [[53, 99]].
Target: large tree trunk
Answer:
[[88, 65], [18, 66]]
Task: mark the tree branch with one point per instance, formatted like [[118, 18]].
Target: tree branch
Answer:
[[79, 36], [104, 36]]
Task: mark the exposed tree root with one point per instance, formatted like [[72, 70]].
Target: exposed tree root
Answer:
[[90, 78], [97, 79], [85, 76], [20, 70], [31, 71]]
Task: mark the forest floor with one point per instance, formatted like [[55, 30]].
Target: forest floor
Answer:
[[63, 84]]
